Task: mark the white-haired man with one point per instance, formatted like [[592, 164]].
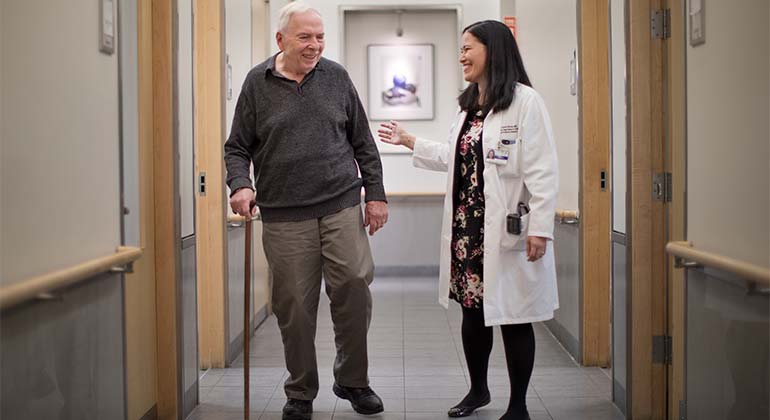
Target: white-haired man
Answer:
[[300, 122]]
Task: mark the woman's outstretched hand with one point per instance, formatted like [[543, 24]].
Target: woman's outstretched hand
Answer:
[[392, 133]]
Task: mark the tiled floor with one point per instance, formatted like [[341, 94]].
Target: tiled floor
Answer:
[[416, 366]]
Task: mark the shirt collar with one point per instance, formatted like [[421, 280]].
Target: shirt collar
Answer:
[[271, 65]]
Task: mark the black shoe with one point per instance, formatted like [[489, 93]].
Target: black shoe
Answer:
[[297, 410], [363, 400], [465, 409]]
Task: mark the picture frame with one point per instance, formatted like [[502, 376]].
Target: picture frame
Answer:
[[400, 82]]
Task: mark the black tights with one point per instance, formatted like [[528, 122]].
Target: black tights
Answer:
[[519, 343]]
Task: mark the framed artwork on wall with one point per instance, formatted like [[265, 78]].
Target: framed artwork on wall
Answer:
[[400, 82]]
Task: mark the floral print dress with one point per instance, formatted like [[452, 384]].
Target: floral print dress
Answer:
[[466, 285]]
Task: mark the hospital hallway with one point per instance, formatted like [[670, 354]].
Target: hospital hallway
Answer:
[[416, 365], [626, 204]]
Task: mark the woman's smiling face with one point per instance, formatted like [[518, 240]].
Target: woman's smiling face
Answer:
[[473, 57]]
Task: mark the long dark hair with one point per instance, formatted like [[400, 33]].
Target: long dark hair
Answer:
[[504, 68]]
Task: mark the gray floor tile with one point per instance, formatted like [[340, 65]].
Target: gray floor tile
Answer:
[[387, 381], [222, 415], [391, 405], [581, 409], [209, 379], [431, 405], [436, 415], [320, 405], [381, 416], [277, 416], [567, 386], [416, 365]]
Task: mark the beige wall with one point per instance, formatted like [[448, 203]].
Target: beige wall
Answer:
[[261, 37], [59, 176], [547, 37], [238, 45], [2, 144], [420, 27], [728, 183]]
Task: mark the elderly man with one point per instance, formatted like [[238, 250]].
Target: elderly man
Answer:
[[300, 122]]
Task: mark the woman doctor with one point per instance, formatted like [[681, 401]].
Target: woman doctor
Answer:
[[496, 251]]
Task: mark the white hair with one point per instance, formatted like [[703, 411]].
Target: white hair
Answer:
[[286, 12]]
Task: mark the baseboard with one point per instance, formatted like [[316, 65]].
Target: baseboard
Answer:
[[190, 400], [570, 343], [236, 346], [619, 396], [406, 270]]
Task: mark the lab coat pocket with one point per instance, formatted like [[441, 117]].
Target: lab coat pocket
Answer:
[[511, 242], [511, 168]]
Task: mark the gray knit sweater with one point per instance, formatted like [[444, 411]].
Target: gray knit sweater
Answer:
[[307, 142]]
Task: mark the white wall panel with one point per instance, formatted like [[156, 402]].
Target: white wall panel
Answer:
[[728, 138], [547, 38], [59, 174]]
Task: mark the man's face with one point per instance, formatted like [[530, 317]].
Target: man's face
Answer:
[[302, 42]]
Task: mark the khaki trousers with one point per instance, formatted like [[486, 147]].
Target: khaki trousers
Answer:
[[297, 253]]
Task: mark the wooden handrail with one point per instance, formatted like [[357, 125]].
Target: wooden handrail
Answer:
[[568, 214], [415, 194], [25, 290], [748, 271], [237, 218]]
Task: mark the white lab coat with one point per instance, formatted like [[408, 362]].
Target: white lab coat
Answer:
[[516, 291]]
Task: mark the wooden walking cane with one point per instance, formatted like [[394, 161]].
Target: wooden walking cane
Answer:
[[246, 317]]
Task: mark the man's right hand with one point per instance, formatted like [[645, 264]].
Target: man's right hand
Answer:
[[243, 203]]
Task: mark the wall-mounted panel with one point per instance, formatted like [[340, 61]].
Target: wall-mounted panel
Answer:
[[566, 323], [619, 323], [190, 369], [236, 238], [59, 175], [727, 352], [63, 358], [728, 176]]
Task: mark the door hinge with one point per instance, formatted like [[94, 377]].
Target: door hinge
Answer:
[[660, 24], [682, 410], [661, 186], [661, 349]]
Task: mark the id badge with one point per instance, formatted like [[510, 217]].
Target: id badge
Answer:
[[497, 156]]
